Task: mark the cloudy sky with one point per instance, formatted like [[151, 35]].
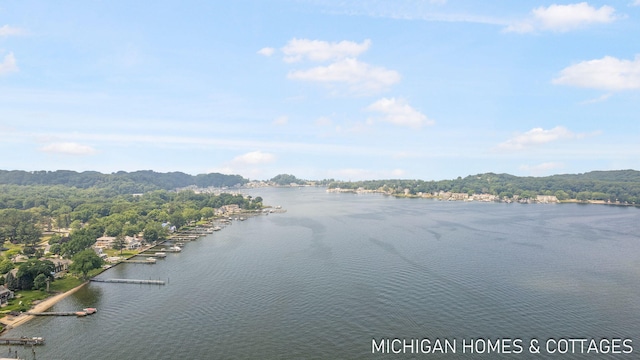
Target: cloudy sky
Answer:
[[349, 89]]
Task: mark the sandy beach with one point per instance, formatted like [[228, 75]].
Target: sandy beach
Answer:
[[11, 322]]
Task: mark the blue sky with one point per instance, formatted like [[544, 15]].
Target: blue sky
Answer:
[[321, 89]]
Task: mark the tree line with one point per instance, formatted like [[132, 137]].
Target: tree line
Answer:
[[616, 186], [120, 182], [75, 217]]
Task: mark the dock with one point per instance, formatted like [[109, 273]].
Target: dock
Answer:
[[139, 261], [130, 281], [58, 313], [80, 313], [22, 341], [52, 313], [158, 254]]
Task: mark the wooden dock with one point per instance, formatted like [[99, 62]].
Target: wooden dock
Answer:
[[22, 341], [58, 313], [158, 254], [130, 281], [139, 261]]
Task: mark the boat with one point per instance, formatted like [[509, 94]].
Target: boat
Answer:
[[151, 259], [174, 249], [81, 313], [90, 311], [161, 254]]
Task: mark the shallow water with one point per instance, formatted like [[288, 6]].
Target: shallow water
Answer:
[[337, 271]]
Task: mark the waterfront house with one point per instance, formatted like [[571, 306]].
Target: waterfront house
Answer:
[[60, 265], [105, 242], [228, 209], [5, 295], [546, 199], [132, 243]]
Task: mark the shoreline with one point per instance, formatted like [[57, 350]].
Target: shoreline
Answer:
[[11, 322], [480, 199]]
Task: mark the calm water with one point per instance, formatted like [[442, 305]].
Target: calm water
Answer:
[[338, 270]]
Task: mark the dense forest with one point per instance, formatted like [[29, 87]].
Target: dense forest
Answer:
[[28, 211], [621, 186], [68, 211], [286, 179], [120, 182]]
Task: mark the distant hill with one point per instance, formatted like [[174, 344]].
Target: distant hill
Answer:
[[121, 182], [611, 175], [286, 179], [618, 185]]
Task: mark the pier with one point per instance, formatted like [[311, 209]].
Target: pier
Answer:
[[22, 341], [139, 261], [130, 281], [83, 312], [52, 313], [158, 254]]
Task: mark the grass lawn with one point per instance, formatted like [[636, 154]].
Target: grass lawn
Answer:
[[24, 299], [125, 253], [65, 284]]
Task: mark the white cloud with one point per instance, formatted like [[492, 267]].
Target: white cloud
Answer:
[[253, 158], [636, 3], [542, 168], [249, 164], [361, 77], [317, 50], [343, 69], [207, 142], [8, 65], [562, 18], [323, 121], [608, 73], [68, 148], [538, 136], [281, 120], [398, 112], [7, 30], [266, 51], [404, 10], [362, 174], [600, 98]]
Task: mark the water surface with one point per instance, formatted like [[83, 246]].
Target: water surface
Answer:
[[338, 270]]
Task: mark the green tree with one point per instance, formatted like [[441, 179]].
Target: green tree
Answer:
[[561, 195], [113, 229], [19, 226], [191, 214], [6, 266], [11, 282], [28, 271], [583, 195], [55, 239], [207, 212], [85, 261], [55, 249], [119, 243], [40, 282], [154, 232], [130, 230]]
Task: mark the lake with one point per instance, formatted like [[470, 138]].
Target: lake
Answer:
[[342, 276]]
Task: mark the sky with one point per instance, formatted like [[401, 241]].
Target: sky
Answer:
[[349, 89]]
